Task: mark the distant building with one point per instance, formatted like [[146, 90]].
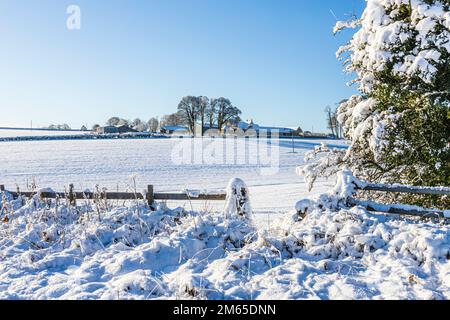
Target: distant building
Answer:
[[281, 132], [312, 135], [175, 130], [125, 129], [254, 130], [107, 130], [114, 129]]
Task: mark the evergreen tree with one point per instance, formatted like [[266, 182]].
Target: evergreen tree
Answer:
[[399, 124]]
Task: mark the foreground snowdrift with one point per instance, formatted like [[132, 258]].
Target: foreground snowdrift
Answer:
[[50, 251]]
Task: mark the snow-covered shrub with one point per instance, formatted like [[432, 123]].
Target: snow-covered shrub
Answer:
[[238, 199], [336, 234], [332, 253], [338, 197], [122, 253], [399, 126], [50, 250], [322, 162], [303, 207]]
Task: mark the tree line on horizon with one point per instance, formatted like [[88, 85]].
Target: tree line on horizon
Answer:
[[210, 113]]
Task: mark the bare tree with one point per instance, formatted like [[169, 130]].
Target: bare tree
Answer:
[[64, 126], [153, 124], [339, 126], [225, 111], [139, 125], [215, 111], [114, 121], [175, 119], [333, 123], [330, 120], [211, 114], [188, 108], [124, 122], [203, 105]]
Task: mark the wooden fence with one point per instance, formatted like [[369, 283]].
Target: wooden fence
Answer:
[[150, 195], [402, 210], [440, 191]]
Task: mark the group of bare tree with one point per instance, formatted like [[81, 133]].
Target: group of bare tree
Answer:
[[174, 119], [58, 127], [333, 123], [137, 124], [209, 113]]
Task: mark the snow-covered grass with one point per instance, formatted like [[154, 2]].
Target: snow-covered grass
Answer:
[[93, 251], [50, 250], [10, 133], [110, 163]]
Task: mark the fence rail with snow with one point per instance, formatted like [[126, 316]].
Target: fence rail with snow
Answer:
[[440, 191], [401, 209], [237, 196], [150, 196]]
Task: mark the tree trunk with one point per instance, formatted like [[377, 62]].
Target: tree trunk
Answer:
[[203, 125]]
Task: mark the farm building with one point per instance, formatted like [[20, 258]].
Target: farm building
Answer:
[[125, 129], [107, 130], [114, 129], [175, 129], [251, 129]]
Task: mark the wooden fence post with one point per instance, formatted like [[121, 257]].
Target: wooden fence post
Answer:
[[150, 196], [71, 196]]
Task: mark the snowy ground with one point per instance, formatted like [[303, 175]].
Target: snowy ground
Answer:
[[110, 163], [128, 252], [10, 133], [124, 251]]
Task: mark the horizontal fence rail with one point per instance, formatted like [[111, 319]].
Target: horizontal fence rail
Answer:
[[396, 209], [439, 191], [402, 210], [150, 196]]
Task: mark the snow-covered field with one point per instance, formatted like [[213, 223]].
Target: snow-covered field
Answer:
[[10, 133], [111, 163], [125, 251]]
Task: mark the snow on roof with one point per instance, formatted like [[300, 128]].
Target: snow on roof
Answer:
[[279, 129], [175, 128], [245, 126]]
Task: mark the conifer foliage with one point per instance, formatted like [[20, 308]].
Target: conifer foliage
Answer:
[[398, 125]]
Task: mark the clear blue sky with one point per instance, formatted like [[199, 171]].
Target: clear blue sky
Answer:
[[273, 59]]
